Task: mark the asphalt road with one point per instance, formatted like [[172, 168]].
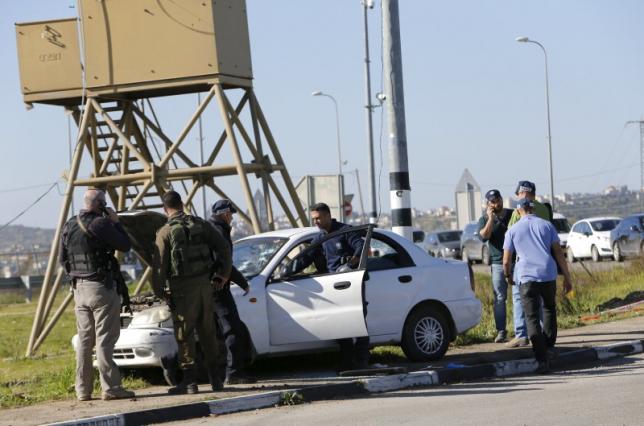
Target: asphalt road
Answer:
[[606, 395]]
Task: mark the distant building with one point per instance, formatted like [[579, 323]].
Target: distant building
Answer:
[[468, 200]]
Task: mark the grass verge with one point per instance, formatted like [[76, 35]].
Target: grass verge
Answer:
[[49, 375]]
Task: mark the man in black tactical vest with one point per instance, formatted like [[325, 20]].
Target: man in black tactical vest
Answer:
[[228, 319], [195, 260], [87, 246]]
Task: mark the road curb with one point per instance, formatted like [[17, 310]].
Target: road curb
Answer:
[[357, 387]]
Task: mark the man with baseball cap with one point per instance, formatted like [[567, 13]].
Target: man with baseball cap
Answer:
[[525, 190], [230, 324], [535, 241], [492, 227]]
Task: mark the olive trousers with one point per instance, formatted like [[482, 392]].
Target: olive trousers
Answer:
[[192, 311]]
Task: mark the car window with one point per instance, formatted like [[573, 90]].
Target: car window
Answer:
[[384, 253], [292, 254], [561, 225], [577, 228], [251, 256], [604, 225], [641, 222], [446, 237]]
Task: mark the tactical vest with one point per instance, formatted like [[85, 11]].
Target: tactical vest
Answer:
[[86, 255], [189, 253]]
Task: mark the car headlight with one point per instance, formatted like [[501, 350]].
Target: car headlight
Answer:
[[151, 316], [143, 352]]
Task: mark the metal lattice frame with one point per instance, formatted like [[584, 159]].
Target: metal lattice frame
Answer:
[[123, 164]]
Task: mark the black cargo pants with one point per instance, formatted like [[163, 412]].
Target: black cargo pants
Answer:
[[231, 329]]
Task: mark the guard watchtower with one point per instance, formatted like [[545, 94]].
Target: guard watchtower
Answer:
[[105, 66]]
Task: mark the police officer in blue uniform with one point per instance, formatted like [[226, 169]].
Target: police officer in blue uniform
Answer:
[[228, 320], [332, 255]]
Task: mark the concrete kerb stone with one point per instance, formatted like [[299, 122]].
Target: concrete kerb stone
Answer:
[[619, 349], [357, 387]]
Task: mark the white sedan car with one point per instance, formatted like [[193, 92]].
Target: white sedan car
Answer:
[[591, 238], [412, 299]]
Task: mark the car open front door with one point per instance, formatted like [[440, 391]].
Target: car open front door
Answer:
[[319, 307]]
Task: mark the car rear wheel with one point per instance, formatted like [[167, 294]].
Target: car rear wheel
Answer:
[[426, 335], [594, 253], [617, 252], [485, 255], [570, 255]]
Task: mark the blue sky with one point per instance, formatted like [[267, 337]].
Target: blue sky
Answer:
[[474, 97]]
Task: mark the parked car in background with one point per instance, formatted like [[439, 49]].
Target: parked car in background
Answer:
[[444, 244], [591, 238], [472, 248], [563, 228], [416, 301], [627, 239]]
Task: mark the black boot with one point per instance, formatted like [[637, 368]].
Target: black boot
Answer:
[[188, 384], [215, 378]]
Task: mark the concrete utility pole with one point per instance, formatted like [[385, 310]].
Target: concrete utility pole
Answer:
[[399, 189], [641, 190], [373, 211]]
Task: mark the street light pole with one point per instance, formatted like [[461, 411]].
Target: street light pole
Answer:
[[337, 126], [368, 4], [548, 135]]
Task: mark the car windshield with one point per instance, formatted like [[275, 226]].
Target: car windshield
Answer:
[[251, 256], [446, 237], [561, 225], [604, 225]]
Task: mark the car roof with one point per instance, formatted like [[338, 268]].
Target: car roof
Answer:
[[558, 216], [593, 219], [312, 230]]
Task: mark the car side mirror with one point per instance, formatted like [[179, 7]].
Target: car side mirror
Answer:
[[588, 234]]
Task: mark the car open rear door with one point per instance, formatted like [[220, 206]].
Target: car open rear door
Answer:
[[322, 307]]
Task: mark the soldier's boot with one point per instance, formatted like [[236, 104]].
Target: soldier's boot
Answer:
[[215, 377], [188, 384]]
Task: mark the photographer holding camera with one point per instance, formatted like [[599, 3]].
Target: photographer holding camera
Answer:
[[87, 246]]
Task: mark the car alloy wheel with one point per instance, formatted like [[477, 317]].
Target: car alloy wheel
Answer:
[[570, 255], [617, 252], [594, 252], [426, 335]]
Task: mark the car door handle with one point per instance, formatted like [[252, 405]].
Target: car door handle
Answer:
[[342, 285], [404, 278]]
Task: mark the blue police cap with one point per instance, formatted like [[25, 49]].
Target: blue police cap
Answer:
[[525, 202], [526, 186], [223, 206]]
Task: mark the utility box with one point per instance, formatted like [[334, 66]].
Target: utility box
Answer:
[[49, 59], [136, 49]]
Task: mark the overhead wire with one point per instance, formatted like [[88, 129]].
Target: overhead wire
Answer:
[[52, 186]]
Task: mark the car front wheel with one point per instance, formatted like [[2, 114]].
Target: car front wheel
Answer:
[[426, 335], [617, 253], [594, 252]]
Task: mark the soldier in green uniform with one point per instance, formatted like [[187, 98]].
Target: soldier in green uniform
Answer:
[[194, 259]]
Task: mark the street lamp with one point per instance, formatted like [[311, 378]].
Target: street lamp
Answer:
[[337, 125], [548, 135]]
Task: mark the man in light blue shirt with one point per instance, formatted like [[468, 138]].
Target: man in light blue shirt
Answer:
[[536, 242]]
